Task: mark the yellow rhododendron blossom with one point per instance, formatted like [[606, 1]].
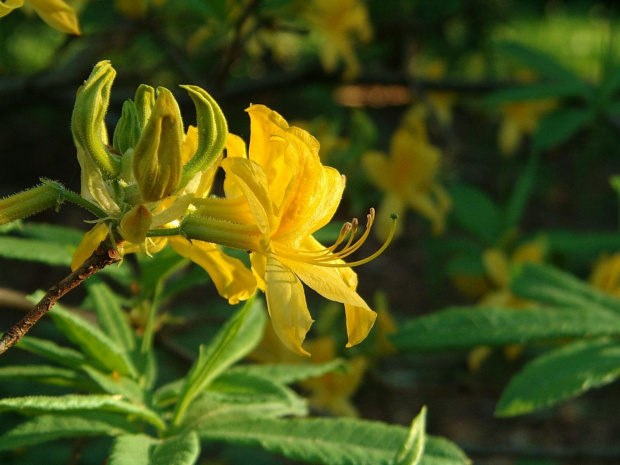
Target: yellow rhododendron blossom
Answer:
[[289, 195], [146, 185], [520, 119], [606, 274], [56, 13], [409, 176], [337, 25]]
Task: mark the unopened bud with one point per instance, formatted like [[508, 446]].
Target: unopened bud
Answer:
[[87, 121], [127, 131], [157, 159], [136, 223], [28, 203], [144, 102]]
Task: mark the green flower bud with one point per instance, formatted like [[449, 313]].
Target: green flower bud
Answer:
[[28, 203], [157, 162], [144, 101], [212, 133], [136, 223], [87, 124], [127, 131]]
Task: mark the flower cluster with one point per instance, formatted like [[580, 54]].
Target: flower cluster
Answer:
[[151, 187]]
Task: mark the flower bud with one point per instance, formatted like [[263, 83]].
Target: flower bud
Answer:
[[87, 125], [127, 131], [136, 223], [144, 101], [28, 203], [212, 133], [157, 159]]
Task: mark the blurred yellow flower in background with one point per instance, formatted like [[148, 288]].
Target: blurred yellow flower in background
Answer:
[[56, 13], [520, 119], [338, 24], [606, 274], [408, 176]]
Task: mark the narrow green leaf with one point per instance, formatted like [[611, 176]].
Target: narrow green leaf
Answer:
[[110, 314], [46, 374], [177, 450], [610, 85], [132, 449], [476, 213], [288, 374], [413, 448], [537, 91], [31, 250], [93, 342], [37, 405], [521, 193], [461, 328], [238, 396], [52, 233], [559, 126], [581, 245], [47, 428], [542, 63], [329, 441], [234, 341], [546, 284], [559, 375], [468, 262], [52, 351], [115, 385]]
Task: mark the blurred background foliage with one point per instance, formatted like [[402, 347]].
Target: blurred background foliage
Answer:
[[490, 126]]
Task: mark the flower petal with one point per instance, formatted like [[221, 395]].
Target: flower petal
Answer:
[[57, 14], [286, 303], [9, 5], [232, 279], [88, 245]]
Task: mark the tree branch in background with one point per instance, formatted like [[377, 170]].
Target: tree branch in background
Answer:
[[105, 255]]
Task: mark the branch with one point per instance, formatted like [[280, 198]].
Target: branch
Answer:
[[104, 255]]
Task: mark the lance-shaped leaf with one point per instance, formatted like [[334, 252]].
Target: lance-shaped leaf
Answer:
[[412, 450], [476, 212], [132, 449], [37, 405], [288, 374], [212, 133], [47, 428], [560, 125], [87, 121], [331, 441], [46, 374], [549, 285], [559, 375], [461, 328], [235, 340], [179, 450]]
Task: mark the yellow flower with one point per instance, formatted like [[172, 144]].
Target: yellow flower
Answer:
[[337, 24], [606, 274], [520, 119], [149, 188], [289, 195], [408, 176], [56, 13]]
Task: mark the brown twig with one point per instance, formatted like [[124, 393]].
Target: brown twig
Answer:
[[104, 255]]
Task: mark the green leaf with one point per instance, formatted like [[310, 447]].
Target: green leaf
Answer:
[[37, 405], [549, 285], [557, 126], [47, 428], [117, 386], [132, 449], [177, 450], [288, 374], [330, 441], [559, 375], [93, 342], [466, 262], [581, 245], [413, 449], [110, 315], [234, 341], [461, 328], [536, 91], [52, 351], [543, 64], [52, 233], [238, 396], [521, 194], [476, 213], [41, 374], [17, 248]]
